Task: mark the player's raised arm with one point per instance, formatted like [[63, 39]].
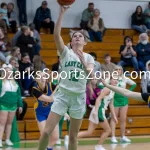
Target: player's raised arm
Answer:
[[124, 92], [57, 31]]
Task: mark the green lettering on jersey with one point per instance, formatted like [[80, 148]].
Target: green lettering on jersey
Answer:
[[74, 76], [74, 64], [79, 65]]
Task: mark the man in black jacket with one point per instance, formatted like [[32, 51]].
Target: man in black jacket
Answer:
[[43, 18]]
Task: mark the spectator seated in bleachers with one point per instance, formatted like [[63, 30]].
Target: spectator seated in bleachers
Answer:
[[26, 42], [26, 65], [128, 54], [143, 51], [145, 82], [36, 36], [17, 34], [38, 63], [92, 92], [137, 20], [147, 16], [3, 24], [86, 15], [5, 46], [15, 52], [12, 17], [43, 18], [3, 11], [96, 26], [108, 65], [97, 64]]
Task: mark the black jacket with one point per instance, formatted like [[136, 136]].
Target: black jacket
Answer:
[[137, 19], [23, 42], [42, 14]]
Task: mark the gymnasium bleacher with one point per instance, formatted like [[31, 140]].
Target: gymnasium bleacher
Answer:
[[138, 120]]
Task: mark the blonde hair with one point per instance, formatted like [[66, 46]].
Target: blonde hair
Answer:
[[4, 79], [48, 72], [37, 62], [24, 28], [119, 67], [91, 88]]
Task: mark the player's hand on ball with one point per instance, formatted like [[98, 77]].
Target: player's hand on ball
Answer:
[[64, 8], [20, 110]]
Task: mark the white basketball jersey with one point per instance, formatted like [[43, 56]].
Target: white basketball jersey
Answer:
[[73, 75]]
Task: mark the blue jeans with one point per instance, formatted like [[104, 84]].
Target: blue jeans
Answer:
[[94, 34], [139, 28], [148, 25], [142, 65], [132, 62]]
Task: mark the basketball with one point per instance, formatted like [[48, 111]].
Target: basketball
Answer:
[[65, 2]]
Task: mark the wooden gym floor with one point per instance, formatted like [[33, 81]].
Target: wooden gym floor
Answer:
[[137, 146], [138, 143]]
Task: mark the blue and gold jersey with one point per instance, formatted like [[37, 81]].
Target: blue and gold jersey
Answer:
[[41, 106]]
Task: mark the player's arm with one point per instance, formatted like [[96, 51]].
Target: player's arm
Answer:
[[124, 92], [55, 90], [112, 110], [89, 67], [39, 95], [57, 31], [104, 93]]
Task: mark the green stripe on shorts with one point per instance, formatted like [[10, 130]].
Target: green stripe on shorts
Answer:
[[101, 112]]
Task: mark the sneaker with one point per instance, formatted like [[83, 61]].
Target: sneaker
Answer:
[[1, 144], [125, 139], [99, 147], [26, 93], [66, 141], [58, 142], [114, 140], [9, 143]]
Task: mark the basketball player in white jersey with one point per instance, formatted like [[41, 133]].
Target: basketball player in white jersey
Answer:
[[70, 95], [97, 115]]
